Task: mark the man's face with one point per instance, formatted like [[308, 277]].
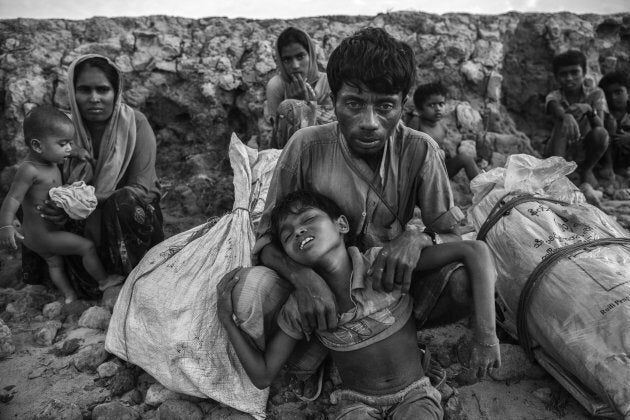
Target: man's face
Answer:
[[617, 96], [367, 119], [570, 77]]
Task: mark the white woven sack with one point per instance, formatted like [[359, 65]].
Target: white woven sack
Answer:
[[581, 311], [165, 317]]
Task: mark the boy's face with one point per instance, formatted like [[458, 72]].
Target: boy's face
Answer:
[[570, 77], [433, 108], [617, 96], [308, 236], [367, 119], [55, 146]]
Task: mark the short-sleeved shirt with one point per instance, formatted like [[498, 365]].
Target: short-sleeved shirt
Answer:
[[379, 204], [375, 315], [593, 96]]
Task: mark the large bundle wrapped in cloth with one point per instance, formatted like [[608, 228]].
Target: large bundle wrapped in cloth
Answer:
[[563, 285], [165, 318]]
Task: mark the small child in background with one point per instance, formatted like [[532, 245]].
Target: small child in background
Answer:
[[615, 86], [430, 102], [48, 133], [374, 346], [578, 111]]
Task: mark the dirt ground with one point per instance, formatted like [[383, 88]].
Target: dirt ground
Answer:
[[59, 368]]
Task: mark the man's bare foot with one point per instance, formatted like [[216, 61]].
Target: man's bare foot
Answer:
[[110, 281], [592, 196], [70, 297], [589, 177]]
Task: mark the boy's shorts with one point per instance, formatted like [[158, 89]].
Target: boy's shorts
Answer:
[[426, 289]]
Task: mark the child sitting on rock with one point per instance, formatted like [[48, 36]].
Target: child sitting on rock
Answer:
[[615, 86], [374, 346], [430, 101], [578, 109], [48, 134]]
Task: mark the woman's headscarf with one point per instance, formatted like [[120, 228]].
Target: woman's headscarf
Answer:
[[117, 145], [313, 72]]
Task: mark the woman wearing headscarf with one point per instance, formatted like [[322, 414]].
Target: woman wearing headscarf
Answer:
[[299, 95], [114, 150]]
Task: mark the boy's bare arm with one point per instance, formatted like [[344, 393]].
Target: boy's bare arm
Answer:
[[479, 263], [316, 301], [261, 368], [22, 182]]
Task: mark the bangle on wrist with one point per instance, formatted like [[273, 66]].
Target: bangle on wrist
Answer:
[[435, 238], [486, 344]]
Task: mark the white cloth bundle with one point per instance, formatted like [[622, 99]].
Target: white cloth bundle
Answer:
[[165, 319], [77, 200]]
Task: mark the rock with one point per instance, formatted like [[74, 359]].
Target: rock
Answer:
[[90, 357], [60, 410], [124, 380], [108, 369], [157, 394], [37, 372], [69, 346], [7, 393], [132, 397], [453, 410], [468, 148], [76, 307], [179, 410], [46, 335], [6, 341], [52, 310], [110, 295], [114, 411], [227, 413], [516, 365], [95, 317]]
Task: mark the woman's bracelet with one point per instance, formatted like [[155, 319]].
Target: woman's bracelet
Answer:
[[486, 345], [7, 226]]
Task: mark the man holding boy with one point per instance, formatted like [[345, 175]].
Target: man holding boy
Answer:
[[578, 111], [377, 170]]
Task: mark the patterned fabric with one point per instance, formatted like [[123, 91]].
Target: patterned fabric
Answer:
[[375, 316], [419, 400]]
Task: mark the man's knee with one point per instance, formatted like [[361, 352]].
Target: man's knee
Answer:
[[459, 287], [598, 139]]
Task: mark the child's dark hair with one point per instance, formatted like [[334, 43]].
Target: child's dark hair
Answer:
[[292, 35], [41, 121], [423, 92], [614, 78], [374, 59], [569, 58], [298, 202]]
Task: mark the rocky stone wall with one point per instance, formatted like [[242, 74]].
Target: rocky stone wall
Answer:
[[200, 80]]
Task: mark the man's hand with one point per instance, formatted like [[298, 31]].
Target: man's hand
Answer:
[[224, 295], [51, 212], [580, 109], [394, 265], [8, 237], [316, 303], [570, 128], [484, 357]]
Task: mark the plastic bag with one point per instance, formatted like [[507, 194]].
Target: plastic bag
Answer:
[[580, 312]]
